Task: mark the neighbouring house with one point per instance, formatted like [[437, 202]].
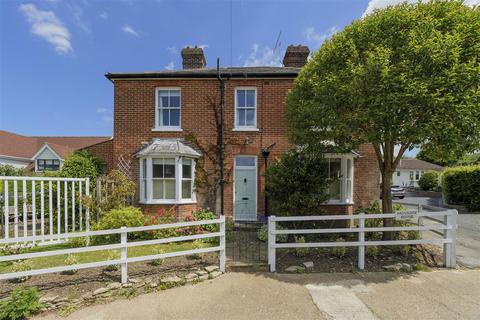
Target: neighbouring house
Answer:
[[409, 171], [38, 153], [164, 124]]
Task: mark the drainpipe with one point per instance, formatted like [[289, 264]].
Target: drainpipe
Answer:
[[222, 140]]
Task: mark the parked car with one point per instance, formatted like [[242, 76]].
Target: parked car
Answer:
[[397, 192]]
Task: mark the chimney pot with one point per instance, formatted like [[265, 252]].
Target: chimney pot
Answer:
[[296, 56], [193, 58]]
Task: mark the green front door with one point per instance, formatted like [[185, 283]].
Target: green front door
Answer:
[[245, 189]]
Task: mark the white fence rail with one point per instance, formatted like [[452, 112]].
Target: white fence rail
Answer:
[[123, 246], [446, 222], [43, 208]]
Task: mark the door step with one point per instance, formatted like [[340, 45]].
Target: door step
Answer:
[[240, 266]]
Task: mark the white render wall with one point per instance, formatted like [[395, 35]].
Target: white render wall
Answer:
[[404, 178], [17, 163]]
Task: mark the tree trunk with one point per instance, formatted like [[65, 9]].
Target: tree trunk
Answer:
[[387, 204]]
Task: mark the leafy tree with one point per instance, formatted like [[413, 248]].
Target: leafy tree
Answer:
[[401, 77], [80, 165], [297, 184], [434, 156]]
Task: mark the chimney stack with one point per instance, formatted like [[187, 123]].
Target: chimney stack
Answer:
[[296, 56], [193, 58]]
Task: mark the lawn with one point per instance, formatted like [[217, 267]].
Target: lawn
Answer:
[[85, 257]]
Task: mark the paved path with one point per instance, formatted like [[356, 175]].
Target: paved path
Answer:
[[468, 233], [448, 294]]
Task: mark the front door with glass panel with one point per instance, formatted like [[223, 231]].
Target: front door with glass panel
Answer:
[[245, 180]]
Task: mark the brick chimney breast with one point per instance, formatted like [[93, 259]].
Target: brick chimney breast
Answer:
[[296, 56], [193, 58]]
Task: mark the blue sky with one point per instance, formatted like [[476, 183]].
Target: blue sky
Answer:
[[54, 53]]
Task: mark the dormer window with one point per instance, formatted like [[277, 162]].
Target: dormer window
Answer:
[[168, 109]]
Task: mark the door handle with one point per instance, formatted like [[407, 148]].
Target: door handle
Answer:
[[244, 198]]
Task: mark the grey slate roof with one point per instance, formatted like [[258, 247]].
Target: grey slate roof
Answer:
[[418, 164], [168, 146], [233, 72]]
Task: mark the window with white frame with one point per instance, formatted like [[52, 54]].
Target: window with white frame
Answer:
[[167, 180], [340, 171], [168, 108], [48, 165], [245, 108]]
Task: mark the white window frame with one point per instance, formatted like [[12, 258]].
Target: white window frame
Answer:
[[245, 128], [148, 175], [158, 126], [344, 178]]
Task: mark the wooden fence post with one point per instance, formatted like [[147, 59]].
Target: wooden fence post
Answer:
[[361, 239], [223, 257], [272, 237], [123, 255]]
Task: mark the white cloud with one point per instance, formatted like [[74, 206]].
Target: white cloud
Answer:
[[77, 13], [263, 57], [172, 50], [170, 66], [318, 38], [130, 30], [103, 15], [46, 25], [102, 110], [381, 4], [107, 119]]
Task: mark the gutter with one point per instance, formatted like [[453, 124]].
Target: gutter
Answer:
[[191, 75]]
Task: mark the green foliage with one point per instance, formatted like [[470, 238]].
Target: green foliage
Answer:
[[429, 180], [70, 260], [157, 262], [297, 184], [301, 252], [372, 251], [461, 186], [117, 190], [22, 265], [403, 76], [117, 218], [8, 170], [262, 234], [339, 252], [23, 302], [80, 165], [112, 255], [205, 214], [431, 154]]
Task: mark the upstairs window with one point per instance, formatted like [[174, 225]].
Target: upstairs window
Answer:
[[168, 106], [246, 108]]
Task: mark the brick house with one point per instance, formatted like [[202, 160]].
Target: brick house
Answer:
[[156, 114]]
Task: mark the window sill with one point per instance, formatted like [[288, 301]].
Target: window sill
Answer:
[[246, 129], [171, 202], [337, 203], [166, 129]]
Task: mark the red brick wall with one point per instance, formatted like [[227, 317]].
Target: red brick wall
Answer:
[[134, 119], [366, 184], [104, 150]]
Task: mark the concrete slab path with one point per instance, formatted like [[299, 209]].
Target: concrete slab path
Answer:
[[446, 294]]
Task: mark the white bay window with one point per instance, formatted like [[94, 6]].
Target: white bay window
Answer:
[[340, 171], [167, 172]]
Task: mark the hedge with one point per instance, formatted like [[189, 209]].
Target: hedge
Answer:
[[429, 180], [461, 186]]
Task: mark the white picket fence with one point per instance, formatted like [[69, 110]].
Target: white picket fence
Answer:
[[446, 223], [43, 207], [123, 246]]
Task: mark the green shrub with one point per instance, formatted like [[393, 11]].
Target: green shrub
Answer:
[[70, 261], [429, 180], [22, 265], [112, 255], [372, 251], [8, 170], [461, 186], [157, 262], [117, 218], [339, 252], [205, 214], [22, 303], [301, 252], [262, 234], [80, 165]]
